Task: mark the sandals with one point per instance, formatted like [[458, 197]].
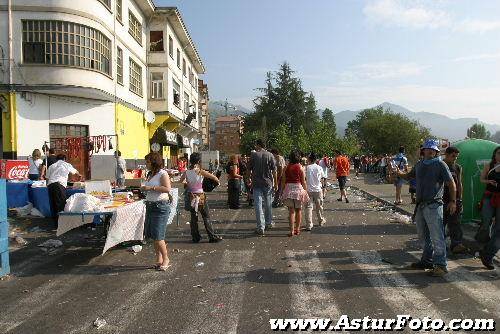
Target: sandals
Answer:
[[164, 268]]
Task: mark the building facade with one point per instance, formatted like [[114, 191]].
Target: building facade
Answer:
[[228, 132], [204, 115], [174, 69], [75, 77]]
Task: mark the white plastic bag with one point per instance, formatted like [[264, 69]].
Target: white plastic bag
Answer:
[[82, 203]]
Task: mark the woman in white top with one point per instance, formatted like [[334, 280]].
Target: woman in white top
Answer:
[[196, 200], [157, 188], [35, 164]]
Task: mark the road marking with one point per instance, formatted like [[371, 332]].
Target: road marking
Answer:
[[235, 264], [399, 294], [483, 292], [309, 300], [45, 295]]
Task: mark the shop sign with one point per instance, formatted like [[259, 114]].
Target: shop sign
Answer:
[[185, 142], [15, 169], [171, 137]]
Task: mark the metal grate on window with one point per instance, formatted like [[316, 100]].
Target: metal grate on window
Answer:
[[134, 27], [119, 65], [135, 77]]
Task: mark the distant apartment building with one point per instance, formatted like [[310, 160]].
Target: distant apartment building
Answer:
[[203, 99], [228, 131]]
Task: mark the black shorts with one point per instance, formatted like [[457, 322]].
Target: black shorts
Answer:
[[342, 182]]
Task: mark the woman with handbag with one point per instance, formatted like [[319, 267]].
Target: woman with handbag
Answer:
[[158, 198], [196, 200], [490, 207]]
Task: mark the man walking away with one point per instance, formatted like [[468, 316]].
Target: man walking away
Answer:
[[314, 174], [399, 163], [121, 168], [453, 220], [57, 181], [324, 164], [342, 170], [262, 168], [431, 174], [357, 164]]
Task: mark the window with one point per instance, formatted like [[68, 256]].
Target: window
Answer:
[[171, 47], [135, 78], [176, 93], [156, 41], [119, 10], [157, 85], [119, 65], [134, 27], [106, 3], [191, 76], [178, 58], [184, 67], [186, 103], [67, 44]]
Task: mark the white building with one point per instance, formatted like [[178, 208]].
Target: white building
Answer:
[[174, 68], [79, 73]]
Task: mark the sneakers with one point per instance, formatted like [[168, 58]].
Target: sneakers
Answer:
[[322, 223], [438, 271], [459, 249], [421, 265], [215, 239], [259, 231], [488, 264], [346, 200], [270, 226], [308, 229], [339, 199]]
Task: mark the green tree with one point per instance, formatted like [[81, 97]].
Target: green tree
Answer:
[[283, 101], [380, 131], [247, 141], [281, 140], [329, 119], [496, 137], [302, 142], [478, 131]]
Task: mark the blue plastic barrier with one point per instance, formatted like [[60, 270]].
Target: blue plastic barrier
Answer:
[[4, 231]]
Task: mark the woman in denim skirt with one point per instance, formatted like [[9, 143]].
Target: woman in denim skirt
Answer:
[[158, 198]]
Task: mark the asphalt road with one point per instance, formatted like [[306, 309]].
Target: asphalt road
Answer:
[[354, 265]]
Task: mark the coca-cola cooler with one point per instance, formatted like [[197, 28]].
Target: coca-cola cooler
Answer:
[[14, 169]]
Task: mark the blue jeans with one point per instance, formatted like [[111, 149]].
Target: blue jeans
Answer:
[[430, 230], [263, 200], [493, 245]]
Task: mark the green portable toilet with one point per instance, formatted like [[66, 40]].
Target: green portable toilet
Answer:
[[474, 154]]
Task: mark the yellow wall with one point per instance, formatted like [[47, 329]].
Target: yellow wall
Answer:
[[132, 131], [6, 122]]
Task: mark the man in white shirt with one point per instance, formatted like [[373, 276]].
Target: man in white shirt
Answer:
[[57, 181], [324, 164], [314, 176], [121, 168]]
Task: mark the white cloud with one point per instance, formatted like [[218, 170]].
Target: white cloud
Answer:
[[478, 26], [482, 56], [381, 70], [480, 102], [410, 14], [422, 14]]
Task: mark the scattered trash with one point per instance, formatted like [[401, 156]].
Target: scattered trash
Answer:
[[220, 305], [26, 291], [22, 211], [20, 240], [443, 300], [35, 229], [199, 264], [98, 323], [401, 218], [136, 248], [36, 213], [51, 243], [176, 250]]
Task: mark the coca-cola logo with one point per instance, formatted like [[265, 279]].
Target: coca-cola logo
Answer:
[[18, 172]]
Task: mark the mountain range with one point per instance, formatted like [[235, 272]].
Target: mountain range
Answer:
[[440, 126]]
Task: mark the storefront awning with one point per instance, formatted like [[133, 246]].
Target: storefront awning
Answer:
[[164, 137], [182, 142]]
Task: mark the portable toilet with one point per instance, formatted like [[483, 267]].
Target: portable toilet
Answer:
[[4, 231], [474, 154]]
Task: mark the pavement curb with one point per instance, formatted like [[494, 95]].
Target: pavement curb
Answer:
[[468, 229]]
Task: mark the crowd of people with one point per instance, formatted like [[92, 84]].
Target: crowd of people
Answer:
[[300, 182]]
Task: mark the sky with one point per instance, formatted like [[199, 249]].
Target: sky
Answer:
[[440, 56]]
